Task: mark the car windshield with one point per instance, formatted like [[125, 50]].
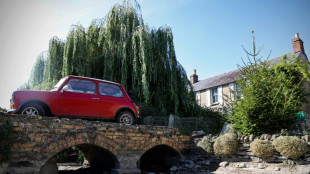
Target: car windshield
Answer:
[[61, 81]]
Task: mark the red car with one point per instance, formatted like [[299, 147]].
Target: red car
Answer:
[[78, 96]]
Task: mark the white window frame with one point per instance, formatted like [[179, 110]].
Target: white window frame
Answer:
[[238, 92], [198, 99], [215, 95]]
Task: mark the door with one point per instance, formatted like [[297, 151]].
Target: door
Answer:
[[111, 99], [79, 98]]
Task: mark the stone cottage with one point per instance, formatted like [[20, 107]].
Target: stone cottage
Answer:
[[214, 92]]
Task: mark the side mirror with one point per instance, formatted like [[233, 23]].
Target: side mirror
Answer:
[[65, 88]]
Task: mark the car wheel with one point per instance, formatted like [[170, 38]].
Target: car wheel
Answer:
[[32, 109], [125, 118]]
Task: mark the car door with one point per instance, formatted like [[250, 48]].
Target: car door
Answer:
[[79, 98], [111, 99]]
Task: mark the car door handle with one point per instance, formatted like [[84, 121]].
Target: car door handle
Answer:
[[95, 98]]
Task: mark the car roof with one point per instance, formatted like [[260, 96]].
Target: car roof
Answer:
[[81, 77]]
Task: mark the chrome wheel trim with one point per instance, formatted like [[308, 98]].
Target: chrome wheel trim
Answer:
[[30, 111], [126, 119]]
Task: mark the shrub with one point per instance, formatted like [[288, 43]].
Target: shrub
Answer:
[[262, 148], [290, 146], [6, 141], [226, 145], [206, 144]]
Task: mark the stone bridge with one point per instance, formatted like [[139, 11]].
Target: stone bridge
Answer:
[[108, 147]]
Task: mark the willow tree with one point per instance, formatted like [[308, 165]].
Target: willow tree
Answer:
[[121, 48], [54, 62], [37, 74]]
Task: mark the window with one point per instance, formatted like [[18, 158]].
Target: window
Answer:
[[198, 97], [110, 90], [81, 86], [61, 81], [214, 95], [238, 91]]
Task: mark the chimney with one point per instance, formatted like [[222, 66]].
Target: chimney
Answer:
[[298, 44], [194, 77]]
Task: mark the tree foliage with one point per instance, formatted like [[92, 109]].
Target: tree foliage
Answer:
[[271, 95], [121, 48]]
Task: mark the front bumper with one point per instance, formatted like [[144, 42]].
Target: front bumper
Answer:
[[12, 111]]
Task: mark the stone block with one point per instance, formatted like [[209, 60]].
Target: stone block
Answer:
[[306, 137], [251, 138]]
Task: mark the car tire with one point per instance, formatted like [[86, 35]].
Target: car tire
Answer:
[[32, 109], [125, 117]]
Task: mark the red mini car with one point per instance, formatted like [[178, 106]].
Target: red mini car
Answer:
[[78, 96]]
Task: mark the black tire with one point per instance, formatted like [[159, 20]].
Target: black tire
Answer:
[[32, 109], [125, 117]]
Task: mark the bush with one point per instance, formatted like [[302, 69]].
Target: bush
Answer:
[[6, 141], [226, 145], [206, 144], [290, 146], [262, 148]]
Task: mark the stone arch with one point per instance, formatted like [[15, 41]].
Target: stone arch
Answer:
[[159, 159], [155, 141], [100, 146]]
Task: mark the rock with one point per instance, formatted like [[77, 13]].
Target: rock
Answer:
[[246, 139], [265, 136], [262, 137], [308, 159], [277, 169], [256, 159], [281, 157], [306, 137], [197, 167], [5, 165], [251, 138], [261, 166], [269, 137], [189, 164], [224, 164], [241, 138], [227, 128], [273, 137], [205, 162], [85, 163], [242, 165], [181, 168], [174, 168], [200, 133]]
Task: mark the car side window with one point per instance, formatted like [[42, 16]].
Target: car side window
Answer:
[[110, 90], [81, 86]]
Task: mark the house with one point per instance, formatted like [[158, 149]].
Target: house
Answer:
[[214, 91]]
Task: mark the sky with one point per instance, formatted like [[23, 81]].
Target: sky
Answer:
[[208, 34]]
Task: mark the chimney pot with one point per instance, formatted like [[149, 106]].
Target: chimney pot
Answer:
[[297, 35]]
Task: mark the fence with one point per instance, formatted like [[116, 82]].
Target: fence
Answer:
[[185, 124]]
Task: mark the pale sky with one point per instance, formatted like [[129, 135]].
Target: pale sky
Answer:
[[208, 34]]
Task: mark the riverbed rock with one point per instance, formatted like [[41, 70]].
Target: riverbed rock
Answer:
[[224, 164], [261, 166], [174, 168]]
